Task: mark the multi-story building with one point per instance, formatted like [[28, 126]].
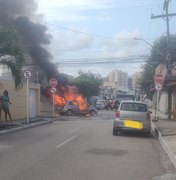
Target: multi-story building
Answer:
[[135, 78], [117, 80]]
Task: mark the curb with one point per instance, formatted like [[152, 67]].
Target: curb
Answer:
[[164, 145], [32, 125]]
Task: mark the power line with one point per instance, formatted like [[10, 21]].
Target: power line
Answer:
[[106, 58], [95, 61], [88, 34], [98, 59], [87, 51]]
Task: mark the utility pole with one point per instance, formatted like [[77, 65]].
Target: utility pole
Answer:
[[168, 56]]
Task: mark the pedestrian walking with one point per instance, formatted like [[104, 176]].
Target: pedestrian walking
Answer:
[[5, 105]]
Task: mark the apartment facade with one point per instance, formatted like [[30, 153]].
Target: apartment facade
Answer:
[[117, 80], [169, 82]]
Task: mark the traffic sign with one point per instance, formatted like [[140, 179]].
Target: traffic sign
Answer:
[[53, 90], [53, 82], [159, 78], [27, 74], [158, 87]]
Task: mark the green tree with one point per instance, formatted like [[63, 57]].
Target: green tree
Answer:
[[160, 50], [87, 83], [146, 82], [11, 53], [158, 56]]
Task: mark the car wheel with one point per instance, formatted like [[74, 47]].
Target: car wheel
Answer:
[[69, 112], [93, 113]]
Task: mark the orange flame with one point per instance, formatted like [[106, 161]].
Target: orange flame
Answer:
[[72, 95]]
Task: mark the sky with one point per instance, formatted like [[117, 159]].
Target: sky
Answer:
[[98, 35]]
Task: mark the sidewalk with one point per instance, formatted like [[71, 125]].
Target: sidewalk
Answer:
[[166, 132], [21, 124]]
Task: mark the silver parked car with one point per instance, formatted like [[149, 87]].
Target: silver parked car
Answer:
[[100, 104], [72, 108], [132, 115]]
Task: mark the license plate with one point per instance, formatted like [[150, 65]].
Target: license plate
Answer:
[[133, 124]]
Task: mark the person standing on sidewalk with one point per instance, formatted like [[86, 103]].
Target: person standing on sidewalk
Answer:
[[5, 105]]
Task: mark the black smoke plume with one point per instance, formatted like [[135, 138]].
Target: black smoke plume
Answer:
[[34, 37], [20, 14]]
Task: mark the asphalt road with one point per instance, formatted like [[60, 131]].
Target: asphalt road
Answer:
[[80, 148]]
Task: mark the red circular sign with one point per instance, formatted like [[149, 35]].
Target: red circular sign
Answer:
[[53, 82], [159, 78]]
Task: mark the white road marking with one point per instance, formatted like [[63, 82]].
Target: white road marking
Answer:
[[58, 146]]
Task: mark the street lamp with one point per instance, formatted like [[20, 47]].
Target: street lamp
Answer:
[[167, 59], [140, 39]]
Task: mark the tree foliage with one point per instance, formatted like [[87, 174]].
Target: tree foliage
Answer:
[[11, 53], [158, 56], [146, 81], [160, 50], [87, 83]]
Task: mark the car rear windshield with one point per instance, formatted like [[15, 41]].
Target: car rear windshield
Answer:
[[134, 107]]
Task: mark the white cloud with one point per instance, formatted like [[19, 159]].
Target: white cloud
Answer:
[[67, 17], [79, 13], [43, 4], [123, 44], [102, 70], [71, 10], [71, 41]]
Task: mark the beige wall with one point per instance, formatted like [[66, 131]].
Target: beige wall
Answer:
[[117, 80], [135, 78], [161, 68], [109, 84], [163, 106], [46, 106], [19, 98]]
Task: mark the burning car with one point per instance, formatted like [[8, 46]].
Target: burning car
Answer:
[[72, 107], [70, 102]]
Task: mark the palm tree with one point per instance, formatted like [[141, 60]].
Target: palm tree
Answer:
[[11, 53]]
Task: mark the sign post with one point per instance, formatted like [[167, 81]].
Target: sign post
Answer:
[[158, 86], [53, 84], [27, 75], [53, 90]]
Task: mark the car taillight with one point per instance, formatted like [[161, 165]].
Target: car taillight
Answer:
[[117, 114]]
